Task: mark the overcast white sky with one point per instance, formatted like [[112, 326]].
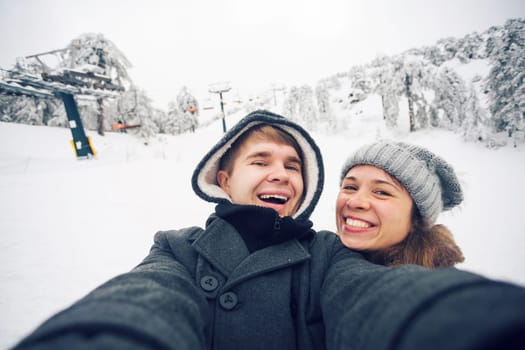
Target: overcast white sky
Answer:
[[252, 44]]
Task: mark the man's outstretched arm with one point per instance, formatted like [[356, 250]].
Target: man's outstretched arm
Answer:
[[154, 306], [368, 306]]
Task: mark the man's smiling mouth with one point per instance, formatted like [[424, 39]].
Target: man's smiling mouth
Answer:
[[273, 198]]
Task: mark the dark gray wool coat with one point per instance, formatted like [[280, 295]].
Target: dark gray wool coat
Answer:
[[202, 289]]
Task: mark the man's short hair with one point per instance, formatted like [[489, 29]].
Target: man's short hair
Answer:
[[262, 132]]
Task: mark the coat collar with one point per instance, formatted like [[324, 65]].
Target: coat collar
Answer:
[[222, 246]]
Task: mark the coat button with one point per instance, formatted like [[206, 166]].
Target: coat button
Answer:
[[209, 283], [228, 300]]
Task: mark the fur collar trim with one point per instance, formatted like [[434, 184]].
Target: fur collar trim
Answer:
[[204, 181]]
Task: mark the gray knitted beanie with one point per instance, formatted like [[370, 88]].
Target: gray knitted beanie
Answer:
[[429, 179]]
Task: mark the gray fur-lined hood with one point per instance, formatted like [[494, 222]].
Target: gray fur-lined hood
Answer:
[[204, 181]]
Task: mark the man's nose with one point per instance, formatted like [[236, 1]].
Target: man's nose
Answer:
[[278, 173]]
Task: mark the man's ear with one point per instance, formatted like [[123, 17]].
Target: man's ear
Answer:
[[222, 180]]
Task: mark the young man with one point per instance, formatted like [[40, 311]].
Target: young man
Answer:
[[258, 276], [249, 280]]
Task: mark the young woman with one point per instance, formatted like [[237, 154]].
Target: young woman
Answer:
[[390, 196]]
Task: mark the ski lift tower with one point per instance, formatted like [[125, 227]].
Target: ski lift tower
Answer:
[[220, 88], [64, 84]]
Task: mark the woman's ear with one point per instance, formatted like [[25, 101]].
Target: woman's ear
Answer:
[[222, 180]]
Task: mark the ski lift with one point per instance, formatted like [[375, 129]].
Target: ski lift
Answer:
[[122, 127]]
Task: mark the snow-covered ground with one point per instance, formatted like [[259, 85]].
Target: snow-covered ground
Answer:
[[68, 225]]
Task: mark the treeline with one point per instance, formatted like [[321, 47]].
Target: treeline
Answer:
[[488, 106]]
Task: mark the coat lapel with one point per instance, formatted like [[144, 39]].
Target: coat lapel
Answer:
[[268, 259], [224, 248]]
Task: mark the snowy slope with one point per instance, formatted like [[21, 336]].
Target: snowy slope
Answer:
[[69, 225]]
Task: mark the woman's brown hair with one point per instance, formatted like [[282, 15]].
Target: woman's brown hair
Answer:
[[425, 245]]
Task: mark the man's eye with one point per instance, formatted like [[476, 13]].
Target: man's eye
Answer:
[[259, 163], [350, 187], [293, 167]]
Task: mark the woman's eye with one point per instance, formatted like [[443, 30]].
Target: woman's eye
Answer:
[[259, 163], [293, 167], [383, 193], [350, 187]]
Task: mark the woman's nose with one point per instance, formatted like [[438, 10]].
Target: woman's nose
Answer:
[[358, 200]]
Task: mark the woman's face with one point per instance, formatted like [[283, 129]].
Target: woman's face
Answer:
[[373, 210]]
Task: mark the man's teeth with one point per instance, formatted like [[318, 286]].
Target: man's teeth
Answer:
[[274, 198], [357, 223]]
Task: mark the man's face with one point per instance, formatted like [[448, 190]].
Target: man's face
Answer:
[[266, 174]]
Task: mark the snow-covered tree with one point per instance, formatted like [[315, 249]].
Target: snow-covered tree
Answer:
[[94, 52], [382, 74], [390, 109], [506, 80], [300, 106], [360, 79], [291, 104], [182, 114], [323, 98], [475, 125], [89, 113], [403, 75], [450, 97], [434, 55], [470, 47], [189, 108], [25, 109], [307, 108], [159, 118], [326, 116], [448, 47], [416, 74], [171, 125], [134, 107]]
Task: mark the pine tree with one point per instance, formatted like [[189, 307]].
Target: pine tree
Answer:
[[189, 108], [323, 98], [360, 80], [475, 125], [390, 109], [382, 75], [450, 97], [411, 76], [300, 106], [506, 80], [448, 47], [172, 124], [307, 108], [96, 53], [471, 47], [134, 107], [26, 110], [291, 104]]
